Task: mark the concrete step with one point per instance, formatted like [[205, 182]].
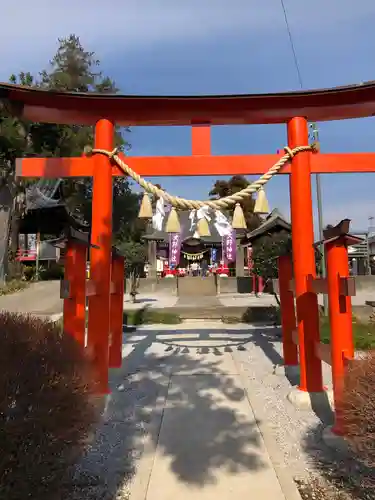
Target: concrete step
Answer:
[[190, 286]]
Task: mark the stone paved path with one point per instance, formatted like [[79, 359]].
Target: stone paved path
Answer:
[[40, 299], [180, 424]]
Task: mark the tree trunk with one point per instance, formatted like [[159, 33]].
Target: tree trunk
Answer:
[[6, 205], [14, 231]]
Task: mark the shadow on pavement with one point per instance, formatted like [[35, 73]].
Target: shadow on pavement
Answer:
[[131, 425]]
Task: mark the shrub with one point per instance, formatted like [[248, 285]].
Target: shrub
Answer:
[[358, 407], [29, 273], [46, 406], [54, 271], [12, 286]]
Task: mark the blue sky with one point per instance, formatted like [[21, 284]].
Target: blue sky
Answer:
[[212, 47]]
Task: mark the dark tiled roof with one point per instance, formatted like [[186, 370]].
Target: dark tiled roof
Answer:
[[46, 211], [274, 222]]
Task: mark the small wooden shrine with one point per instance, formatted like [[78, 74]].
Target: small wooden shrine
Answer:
[[273, 223], [46, 213], [192, 247]]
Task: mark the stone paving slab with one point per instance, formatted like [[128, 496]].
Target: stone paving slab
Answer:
[[209, 443], [222, 453]]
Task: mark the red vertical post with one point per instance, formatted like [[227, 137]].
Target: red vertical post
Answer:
[[260, 284], [340, 320], [100, 255], [75, 305], [311, 379], [288, 318], [201, 140], [117, 311], [69, 307]]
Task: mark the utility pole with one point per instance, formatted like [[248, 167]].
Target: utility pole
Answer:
[[315, 137], [371, 225]]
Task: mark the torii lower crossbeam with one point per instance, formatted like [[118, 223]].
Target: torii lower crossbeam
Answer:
[[201, 165]]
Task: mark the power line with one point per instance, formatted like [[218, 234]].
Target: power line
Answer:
[[314, 134], [292, 44]]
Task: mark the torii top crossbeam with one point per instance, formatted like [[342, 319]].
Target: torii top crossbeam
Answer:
[[352, 101]]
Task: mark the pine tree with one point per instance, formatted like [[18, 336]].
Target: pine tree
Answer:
[[72, 69]]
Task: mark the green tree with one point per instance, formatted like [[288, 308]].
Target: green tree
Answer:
[[235, 184], [72, 69], [15, 141], [266, 250]]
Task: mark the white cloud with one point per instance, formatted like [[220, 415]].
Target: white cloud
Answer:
[[126, 27]]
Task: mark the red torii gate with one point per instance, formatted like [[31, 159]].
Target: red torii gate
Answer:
[[104, 111]]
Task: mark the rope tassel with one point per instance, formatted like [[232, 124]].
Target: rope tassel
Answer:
[[203, 227], [145, 210], [261, 204], [173, 222], [238, 221]]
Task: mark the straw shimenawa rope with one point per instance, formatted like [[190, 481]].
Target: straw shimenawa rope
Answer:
[[219, 204]]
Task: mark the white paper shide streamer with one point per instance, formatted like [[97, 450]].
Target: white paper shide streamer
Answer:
[[158, 217], [222, 224]]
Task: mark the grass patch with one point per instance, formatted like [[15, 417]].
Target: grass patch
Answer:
[[263, 314], [13, 286], [141, 317], [230, 320], [363, 333], [147, 316]]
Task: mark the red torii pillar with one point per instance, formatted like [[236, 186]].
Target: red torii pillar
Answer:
[[340, 288], [288, 315], [311, 378], [99, 317], [74, 307]]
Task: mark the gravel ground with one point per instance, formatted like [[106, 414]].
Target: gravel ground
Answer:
[[289, 425], [320, 472], [108, 467], [129, 424]]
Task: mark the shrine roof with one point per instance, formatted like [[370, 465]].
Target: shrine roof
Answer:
[[38, 105], [46, 212]]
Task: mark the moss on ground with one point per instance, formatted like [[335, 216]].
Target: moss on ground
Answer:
[[147, 316]]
